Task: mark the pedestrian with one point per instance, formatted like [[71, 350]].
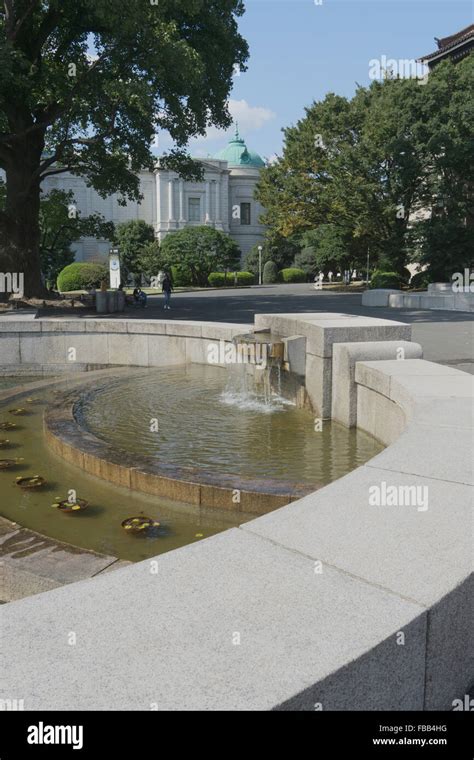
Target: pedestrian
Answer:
[[167, 287]]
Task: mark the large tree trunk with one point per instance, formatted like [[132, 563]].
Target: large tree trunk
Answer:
[[19, 222]]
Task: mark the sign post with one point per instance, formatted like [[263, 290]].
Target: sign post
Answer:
[[114, 268]]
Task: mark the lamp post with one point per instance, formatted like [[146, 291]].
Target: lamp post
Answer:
[[368, 263], [260, 249]]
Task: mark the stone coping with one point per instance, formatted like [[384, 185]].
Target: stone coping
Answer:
[[433, 299], [329, 602]]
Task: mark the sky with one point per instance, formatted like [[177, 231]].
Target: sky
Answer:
[[302, 49]]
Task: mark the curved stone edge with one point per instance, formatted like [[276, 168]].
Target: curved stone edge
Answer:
[[425, 555]]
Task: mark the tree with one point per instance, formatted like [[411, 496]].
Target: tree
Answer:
[[85, 86], [333, 248], [151, 260], [132, 238], [276, 248], [60, 225], [365, 165], [200, 251]]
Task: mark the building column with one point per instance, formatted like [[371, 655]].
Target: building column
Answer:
[[208, 202], [171, 201], [218, 202], [182, 218]]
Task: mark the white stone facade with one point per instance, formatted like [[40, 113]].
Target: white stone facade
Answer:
[[224, 199]]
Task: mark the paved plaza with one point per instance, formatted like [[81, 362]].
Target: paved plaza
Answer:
[[446, 337]]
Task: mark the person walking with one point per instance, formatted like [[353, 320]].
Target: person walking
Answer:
[[167, 287]]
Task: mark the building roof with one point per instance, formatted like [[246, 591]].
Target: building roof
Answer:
[[238, 155], [455, 46]]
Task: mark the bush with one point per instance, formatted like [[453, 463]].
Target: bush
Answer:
[[270, 273], [293, 274], [219, 279], [385, 280], [245, 278], [82, 276], [180, 277], [421, 280]]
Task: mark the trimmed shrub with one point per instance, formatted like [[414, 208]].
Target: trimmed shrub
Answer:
[[385, 280], [270, 273], [219, 279], [245, 278], [292, 274], [82, 276], [180, 277]]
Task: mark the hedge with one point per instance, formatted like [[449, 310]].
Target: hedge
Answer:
[[82, 276], [292, 274], [385, 280], [219, 279]]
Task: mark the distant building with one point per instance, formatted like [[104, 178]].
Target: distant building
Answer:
[[224, 199], [456, 47]]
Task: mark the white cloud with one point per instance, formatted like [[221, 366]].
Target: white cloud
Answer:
[[249, 117]]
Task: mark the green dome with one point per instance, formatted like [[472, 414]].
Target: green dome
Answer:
[[237, 154]]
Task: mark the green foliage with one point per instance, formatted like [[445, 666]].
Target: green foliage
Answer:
[[134, 239], [82, 276], [223, 279], [446, 244], [150, 259], [421, 280], [385, 280], [200, 251], [154, 67], [270, 273], [219, 279], [306, 261], [292, 274], [181, 277], [275, 248], [245, 278], [364, 165]]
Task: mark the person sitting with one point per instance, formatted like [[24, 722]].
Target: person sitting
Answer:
[[140, 298]]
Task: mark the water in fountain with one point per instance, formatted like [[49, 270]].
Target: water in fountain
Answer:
[[254, 391]]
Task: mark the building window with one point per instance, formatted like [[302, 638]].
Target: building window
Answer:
[[245, 213], [194, 209]]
